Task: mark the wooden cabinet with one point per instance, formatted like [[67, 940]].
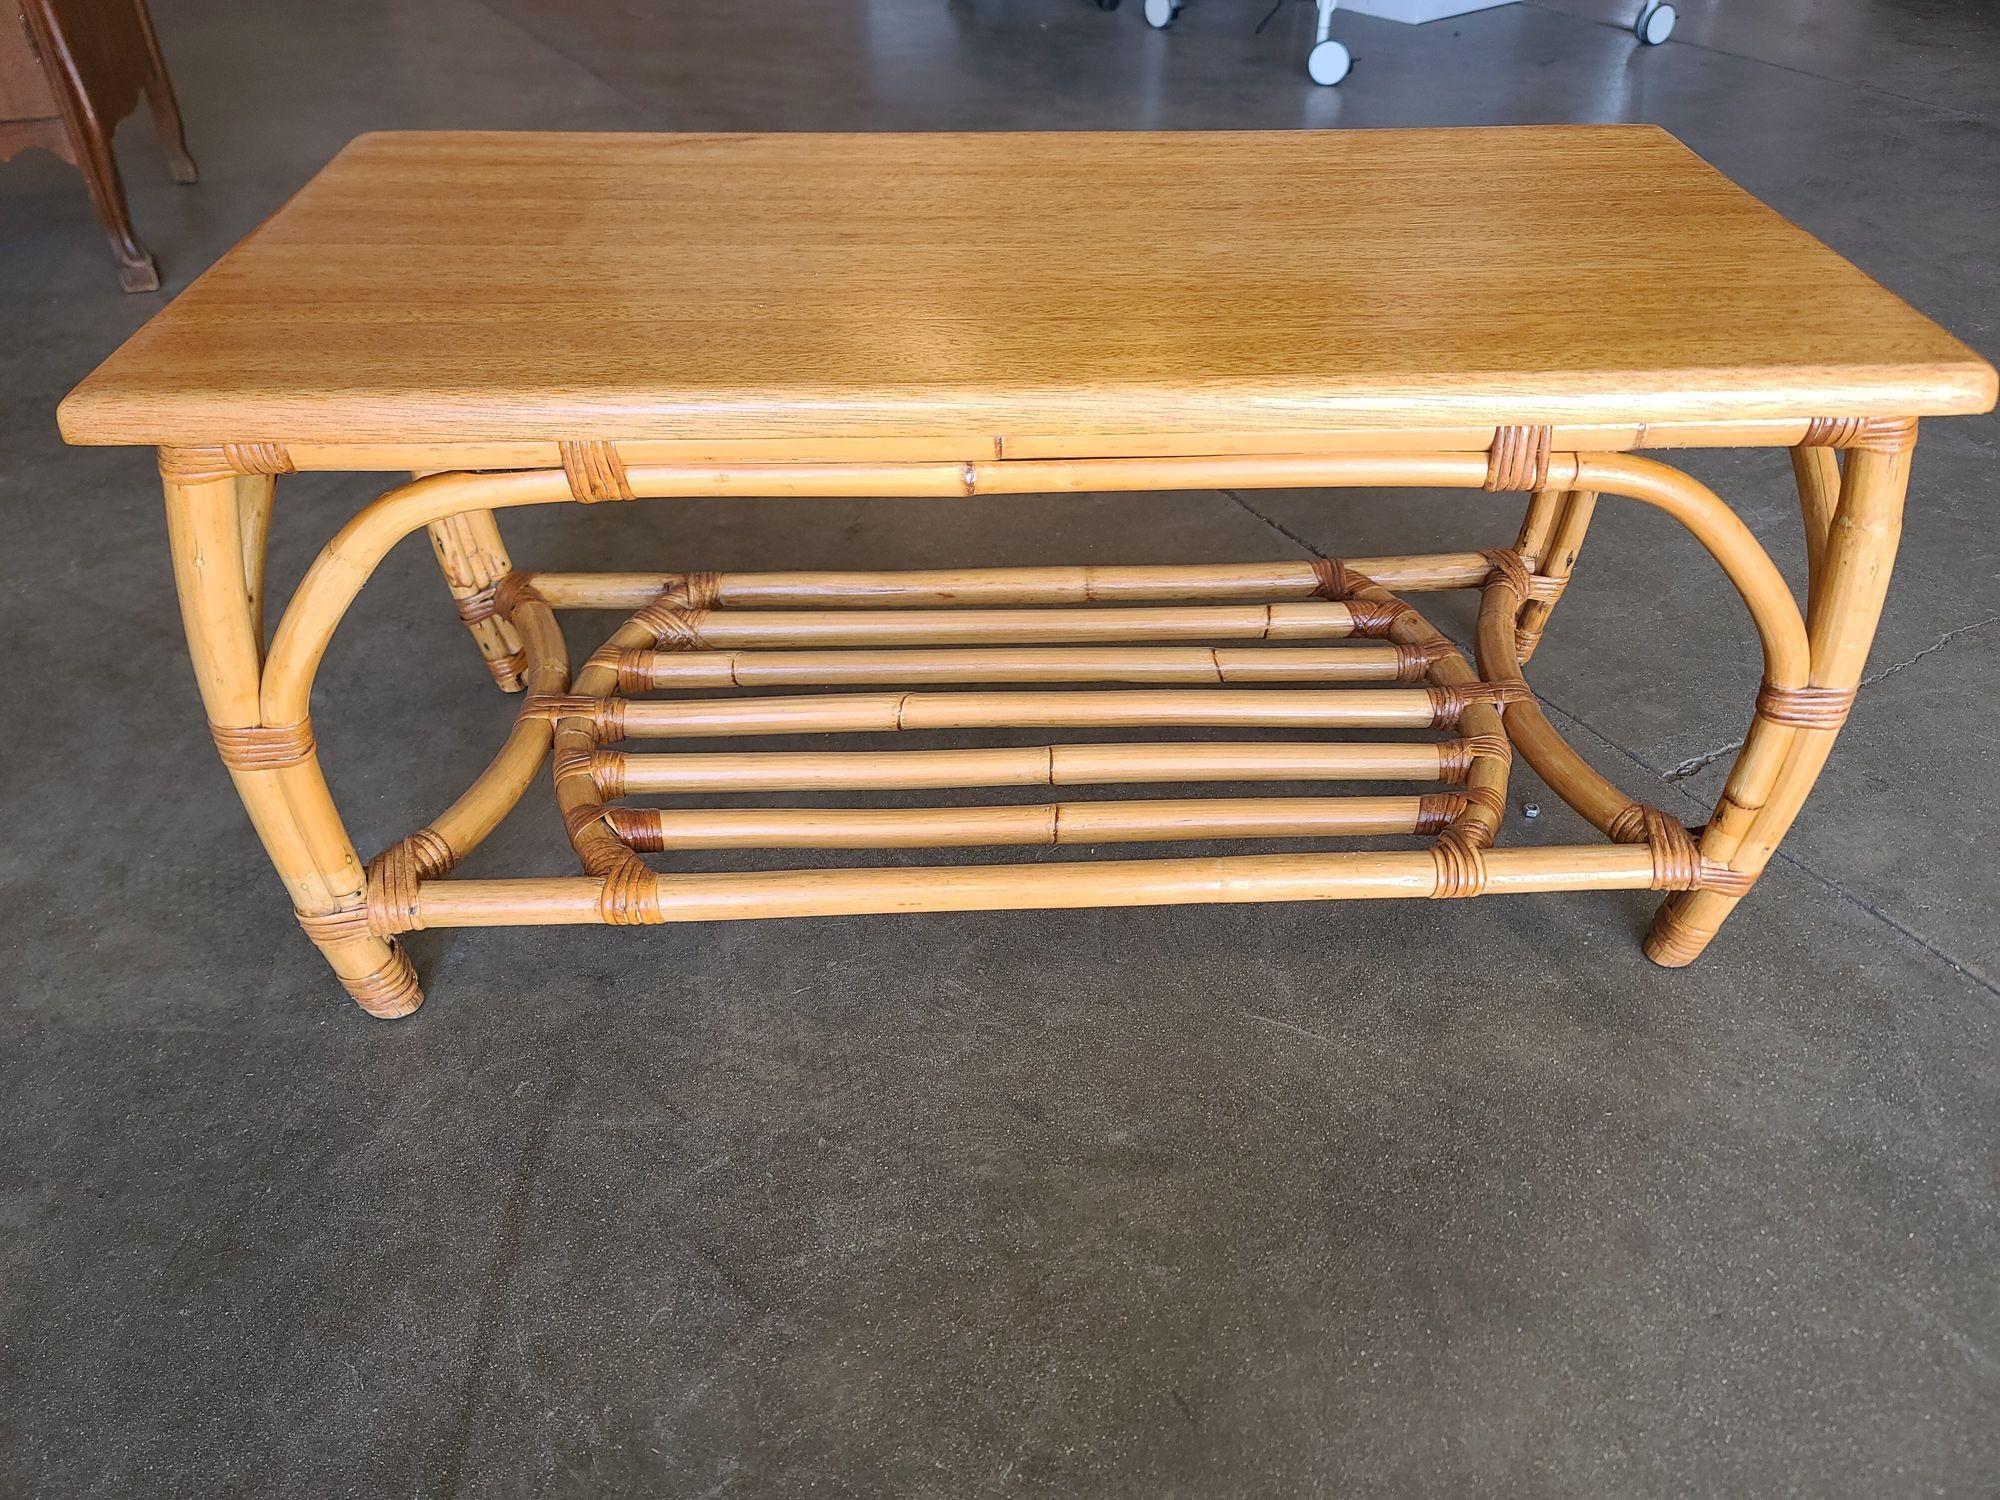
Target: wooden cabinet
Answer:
[[70, 70]]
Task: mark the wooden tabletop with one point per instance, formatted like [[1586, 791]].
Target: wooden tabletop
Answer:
[[449, 287]]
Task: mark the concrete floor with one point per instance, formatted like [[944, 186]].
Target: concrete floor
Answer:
[[1414, 1199]]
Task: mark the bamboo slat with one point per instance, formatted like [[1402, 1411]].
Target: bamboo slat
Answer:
[[856, 713], [947, 587], [655, 829], [1358, 875], [642, 670], [1040, 765], [1306, 620]]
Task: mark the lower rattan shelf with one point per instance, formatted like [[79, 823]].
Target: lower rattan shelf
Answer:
[[1320, 649]]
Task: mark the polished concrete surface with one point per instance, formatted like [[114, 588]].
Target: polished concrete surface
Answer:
[[1404, 1199]]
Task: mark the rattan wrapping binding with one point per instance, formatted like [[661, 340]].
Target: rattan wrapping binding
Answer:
[[395, 875], [1805, 707], [595, 472], [1879, 434], [1676, 859], [673, 625], [1493, 799], [1455, 761], [580, 819], [340, 926], [263, 747], [1672, 940], [1718, 877], [390, 991], [701, 590], [514, 590], [1448, 704], [628, 899], [204, 465], [606, 715], [1336, 579], [481, 604], [1375, 617], [1461, 864], [258, 458], [1509, 572], [1413, 660], [1519, 458]]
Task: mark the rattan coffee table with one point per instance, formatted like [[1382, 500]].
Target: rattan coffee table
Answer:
[[533, 319]]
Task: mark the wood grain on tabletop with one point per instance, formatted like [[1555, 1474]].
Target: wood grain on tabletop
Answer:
[[464, 287]]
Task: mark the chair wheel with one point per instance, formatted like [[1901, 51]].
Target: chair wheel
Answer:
[[1107, 4], [1328, 63], [1655, 23], [1160, 13]]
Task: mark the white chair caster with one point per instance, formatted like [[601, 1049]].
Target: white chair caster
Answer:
[[1328, 63], [1160, 13], [1655, 23]]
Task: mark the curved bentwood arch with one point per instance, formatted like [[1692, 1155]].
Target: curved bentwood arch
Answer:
[[1316, 648]]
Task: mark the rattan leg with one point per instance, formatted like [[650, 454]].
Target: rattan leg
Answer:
[[254, 493], [1850, 577], [1817, 471], [274, 766], [1552, 533], [475, 560]]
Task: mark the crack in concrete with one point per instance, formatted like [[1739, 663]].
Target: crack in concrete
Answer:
[[1276, 525], [1937, 645], [1700, 762], [1708, 758], [1976, 977]]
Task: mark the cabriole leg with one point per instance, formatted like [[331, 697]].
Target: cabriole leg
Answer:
[[165, 107], [1850, 575], [210, 519], [474, 560], [136, 271]]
